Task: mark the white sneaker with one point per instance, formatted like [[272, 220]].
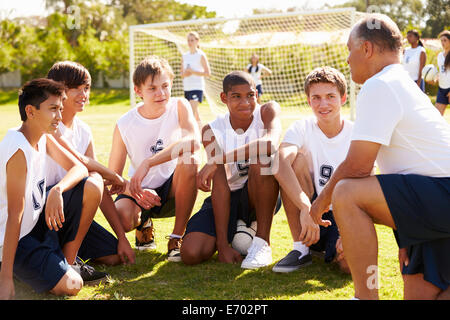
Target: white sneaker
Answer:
[[259, 255]]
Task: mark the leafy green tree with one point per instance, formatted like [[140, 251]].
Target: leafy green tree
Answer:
[[438, 12]]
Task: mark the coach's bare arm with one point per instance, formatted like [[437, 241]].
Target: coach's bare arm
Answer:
[[359, 163]]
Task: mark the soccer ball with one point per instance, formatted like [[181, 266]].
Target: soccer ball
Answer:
[[429, 73], [243, 237]]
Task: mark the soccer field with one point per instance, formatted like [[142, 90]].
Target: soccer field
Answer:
[[152, 277]]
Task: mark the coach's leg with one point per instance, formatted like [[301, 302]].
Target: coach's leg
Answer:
[[194, 105], [417, 288], [263, 191], [92, 195], [357, 205], [184, 189]]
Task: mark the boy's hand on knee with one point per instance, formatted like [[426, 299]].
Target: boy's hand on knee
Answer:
[[148, 199], [54, 214], [310, 233], [205, 177]]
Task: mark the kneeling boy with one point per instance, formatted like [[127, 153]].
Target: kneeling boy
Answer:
[[312, 148]]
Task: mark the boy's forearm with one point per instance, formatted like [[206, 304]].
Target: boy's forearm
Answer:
[[10, 245], [261, 147], [72, 178], [187, 145]]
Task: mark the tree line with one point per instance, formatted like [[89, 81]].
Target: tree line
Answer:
[[95, 32]]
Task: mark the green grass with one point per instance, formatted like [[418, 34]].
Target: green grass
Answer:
[[152, 277]]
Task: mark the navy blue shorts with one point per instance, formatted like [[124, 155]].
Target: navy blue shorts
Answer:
[[420, 207], [260, 90], [196, 95], [203, 220], [167, 208], [39, 259], [442, 96], [97, 243]]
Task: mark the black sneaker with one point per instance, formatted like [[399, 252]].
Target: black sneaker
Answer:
[[89, 275], [293, 261]]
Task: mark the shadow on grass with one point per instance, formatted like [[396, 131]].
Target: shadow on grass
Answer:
[[154, 278]]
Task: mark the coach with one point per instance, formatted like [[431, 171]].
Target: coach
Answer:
[[396, 125]]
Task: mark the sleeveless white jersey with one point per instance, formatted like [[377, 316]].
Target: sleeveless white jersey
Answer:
[[324, 154], [35, 181], [444, 75], [144, 138], [80, 135], [256, 75], [228, 139], [411, 61], [193, 61]]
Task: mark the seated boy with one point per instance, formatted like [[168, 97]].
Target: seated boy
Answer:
[[75, 135], [312, 148], [41, 232], [239, 146], [160, 137]]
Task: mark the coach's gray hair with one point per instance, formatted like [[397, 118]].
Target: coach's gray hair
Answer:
[[380, 30]]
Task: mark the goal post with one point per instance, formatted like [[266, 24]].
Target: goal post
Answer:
[[289, 44]]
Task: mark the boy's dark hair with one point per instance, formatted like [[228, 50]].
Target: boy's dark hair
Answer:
[[326, 75], [236, 78], [72, 74], [379, 29], [151, 66], [36, 91]]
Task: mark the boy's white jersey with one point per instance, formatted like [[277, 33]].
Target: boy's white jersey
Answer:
[[144, 138], [80, 136], [35, 182], [324, 154], [444, 75], [193, 61], [228, 139]]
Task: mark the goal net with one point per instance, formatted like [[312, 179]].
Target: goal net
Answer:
[[289, 44]]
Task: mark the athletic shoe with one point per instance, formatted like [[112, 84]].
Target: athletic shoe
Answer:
[[89, 275], [293, 261], [145, 238], [173, 249], [259, 255]]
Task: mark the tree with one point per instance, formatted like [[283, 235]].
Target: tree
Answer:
[[403, 12], [438, 12]]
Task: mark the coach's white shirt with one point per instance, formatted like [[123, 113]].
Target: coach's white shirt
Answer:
[[392, 110], [35, 181], [144, 138], [80, 136], [324, 154]]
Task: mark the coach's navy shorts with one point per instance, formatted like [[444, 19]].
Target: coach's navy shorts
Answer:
[[196, 95], [167, 208], [442, 96], [420, 207], [39, 259], [203, 220]]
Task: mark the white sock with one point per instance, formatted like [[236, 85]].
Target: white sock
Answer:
[[299, 246]]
